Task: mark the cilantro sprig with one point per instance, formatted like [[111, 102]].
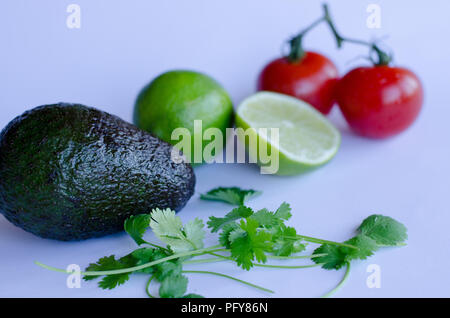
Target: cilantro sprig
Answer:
[[232, 195], [246, 237], [375, 232]]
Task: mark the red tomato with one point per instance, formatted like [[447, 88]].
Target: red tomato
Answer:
[[379, 101], [312, 79]]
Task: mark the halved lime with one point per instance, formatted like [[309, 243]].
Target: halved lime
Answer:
[[306, 138]]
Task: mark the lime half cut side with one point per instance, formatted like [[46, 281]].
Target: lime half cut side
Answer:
[[306, 139]]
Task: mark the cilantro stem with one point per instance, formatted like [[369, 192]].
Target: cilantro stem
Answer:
[[135, 268], [320, 241], [232, 278], [270, 266], [221, 250], [341, 283], [148, 285], [205, 260], [296, 257], [155, 245], [221, 256], [272, 256], [287, 267]]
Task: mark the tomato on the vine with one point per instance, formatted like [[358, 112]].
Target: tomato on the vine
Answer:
[[379, 101], [311, 78]]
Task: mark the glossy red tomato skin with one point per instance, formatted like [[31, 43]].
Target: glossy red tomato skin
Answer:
[[380, 101], [312, 79]]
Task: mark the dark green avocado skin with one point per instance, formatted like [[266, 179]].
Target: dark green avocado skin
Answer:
[[71, 172]]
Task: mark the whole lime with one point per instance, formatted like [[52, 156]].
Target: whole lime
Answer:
[[184, 99]]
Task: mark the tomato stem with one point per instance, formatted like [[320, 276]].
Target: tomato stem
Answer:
[[383, 57], [297, 53]]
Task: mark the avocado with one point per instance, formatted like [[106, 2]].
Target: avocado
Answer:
[[71, 172]]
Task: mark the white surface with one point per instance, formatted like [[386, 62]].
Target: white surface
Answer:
[[124, 44]]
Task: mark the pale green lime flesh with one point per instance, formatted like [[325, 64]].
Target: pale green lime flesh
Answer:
[[306, 138]]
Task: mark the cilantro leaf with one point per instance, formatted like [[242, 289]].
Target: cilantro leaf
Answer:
[[374, 232], [269, 219], [162, 270], [103, 264], [338, 256], [334, 258], [284, 239], [266, 218], [173, 286], [366, 246], [224, 237], [384, 230], [232, 195], [136, 225], [170, 230], [284, 211], [237, 213], [238, 232], [248, 244], [146, 254], [168, 273], [286, 243], [110, 263], [112, 281], [167, 269], [241, 250], [194, 233], [287, 247]]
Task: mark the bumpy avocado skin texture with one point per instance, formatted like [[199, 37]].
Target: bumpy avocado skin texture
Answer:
[[71, 172]]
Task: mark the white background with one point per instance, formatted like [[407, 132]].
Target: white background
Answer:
[[122, 45]]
